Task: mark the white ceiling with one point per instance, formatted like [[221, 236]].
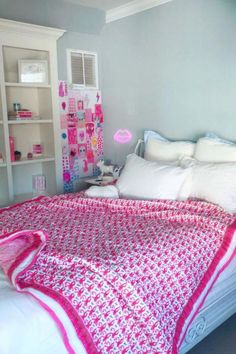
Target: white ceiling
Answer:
[[101, 4]]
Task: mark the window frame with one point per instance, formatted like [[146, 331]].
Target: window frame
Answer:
[[69, 69]]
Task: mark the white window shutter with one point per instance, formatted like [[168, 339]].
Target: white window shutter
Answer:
[[77, 68], [82, 69], [90, 70]]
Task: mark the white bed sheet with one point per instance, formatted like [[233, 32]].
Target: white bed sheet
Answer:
[[26, 328]]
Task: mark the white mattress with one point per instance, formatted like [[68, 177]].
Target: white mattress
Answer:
[[219, 302], [225, 284], [26, 328]]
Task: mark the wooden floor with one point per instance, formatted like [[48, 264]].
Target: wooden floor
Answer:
[[221, 341]]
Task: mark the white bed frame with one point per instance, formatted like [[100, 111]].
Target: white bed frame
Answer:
[[209, 319]]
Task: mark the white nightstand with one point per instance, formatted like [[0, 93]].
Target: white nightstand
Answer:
[[100, 182]]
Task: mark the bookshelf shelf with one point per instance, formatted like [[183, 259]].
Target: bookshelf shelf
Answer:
[[30, 121], [18, 84], [25, 161]]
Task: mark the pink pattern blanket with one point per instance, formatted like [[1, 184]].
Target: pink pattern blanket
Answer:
[[126, 273]]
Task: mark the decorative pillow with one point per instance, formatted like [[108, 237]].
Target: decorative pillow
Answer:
[[215, 137], [211, 150], [215, 183], [109, 191], [151, 134], [142, 179], [156, 150]]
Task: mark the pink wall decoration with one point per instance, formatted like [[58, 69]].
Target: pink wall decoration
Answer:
[[123, 136], [72, 105], [81, 133]]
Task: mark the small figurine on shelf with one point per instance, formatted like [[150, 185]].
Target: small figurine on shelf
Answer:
[[104, 169], [1, 158], [29, 155], [17, 155]]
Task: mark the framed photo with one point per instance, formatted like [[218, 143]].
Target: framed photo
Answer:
[[33, 71]]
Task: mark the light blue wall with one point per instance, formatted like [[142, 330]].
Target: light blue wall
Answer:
[[83, 24], [173, 69]]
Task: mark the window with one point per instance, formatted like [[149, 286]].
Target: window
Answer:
[[82, 69]]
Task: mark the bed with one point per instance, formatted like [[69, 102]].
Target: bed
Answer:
[[43, 336], [201, 303]]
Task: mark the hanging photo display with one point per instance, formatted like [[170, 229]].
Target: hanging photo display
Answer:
[[81, 133]]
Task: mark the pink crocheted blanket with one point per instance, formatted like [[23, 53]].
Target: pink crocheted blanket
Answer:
[[120, 276]]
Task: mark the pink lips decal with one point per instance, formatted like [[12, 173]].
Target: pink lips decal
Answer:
[[122, 136]]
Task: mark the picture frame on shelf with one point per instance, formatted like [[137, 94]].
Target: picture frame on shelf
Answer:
[[33, 71], [39, 185]]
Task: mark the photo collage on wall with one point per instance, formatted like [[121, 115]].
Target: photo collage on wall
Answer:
[[81, 133]]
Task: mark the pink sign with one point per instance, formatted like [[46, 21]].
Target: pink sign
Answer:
[[122, 136]]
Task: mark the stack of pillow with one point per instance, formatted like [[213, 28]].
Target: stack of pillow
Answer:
[[181, 169]]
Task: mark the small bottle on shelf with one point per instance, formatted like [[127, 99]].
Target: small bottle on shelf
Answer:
[[12, 148]]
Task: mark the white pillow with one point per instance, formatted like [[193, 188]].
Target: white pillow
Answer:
[[151, 134], [142, 179], [156, 150], [210, 150], [215, 183], [109, 191], [215, 137]]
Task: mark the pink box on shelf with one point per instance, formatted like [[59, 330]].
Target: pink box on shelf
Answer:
[[24, 114], [12, 148], [37, 149]]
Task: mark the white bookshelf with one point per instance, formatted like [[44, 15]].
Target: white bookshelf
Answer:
[[20, 41], [4, 186]]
